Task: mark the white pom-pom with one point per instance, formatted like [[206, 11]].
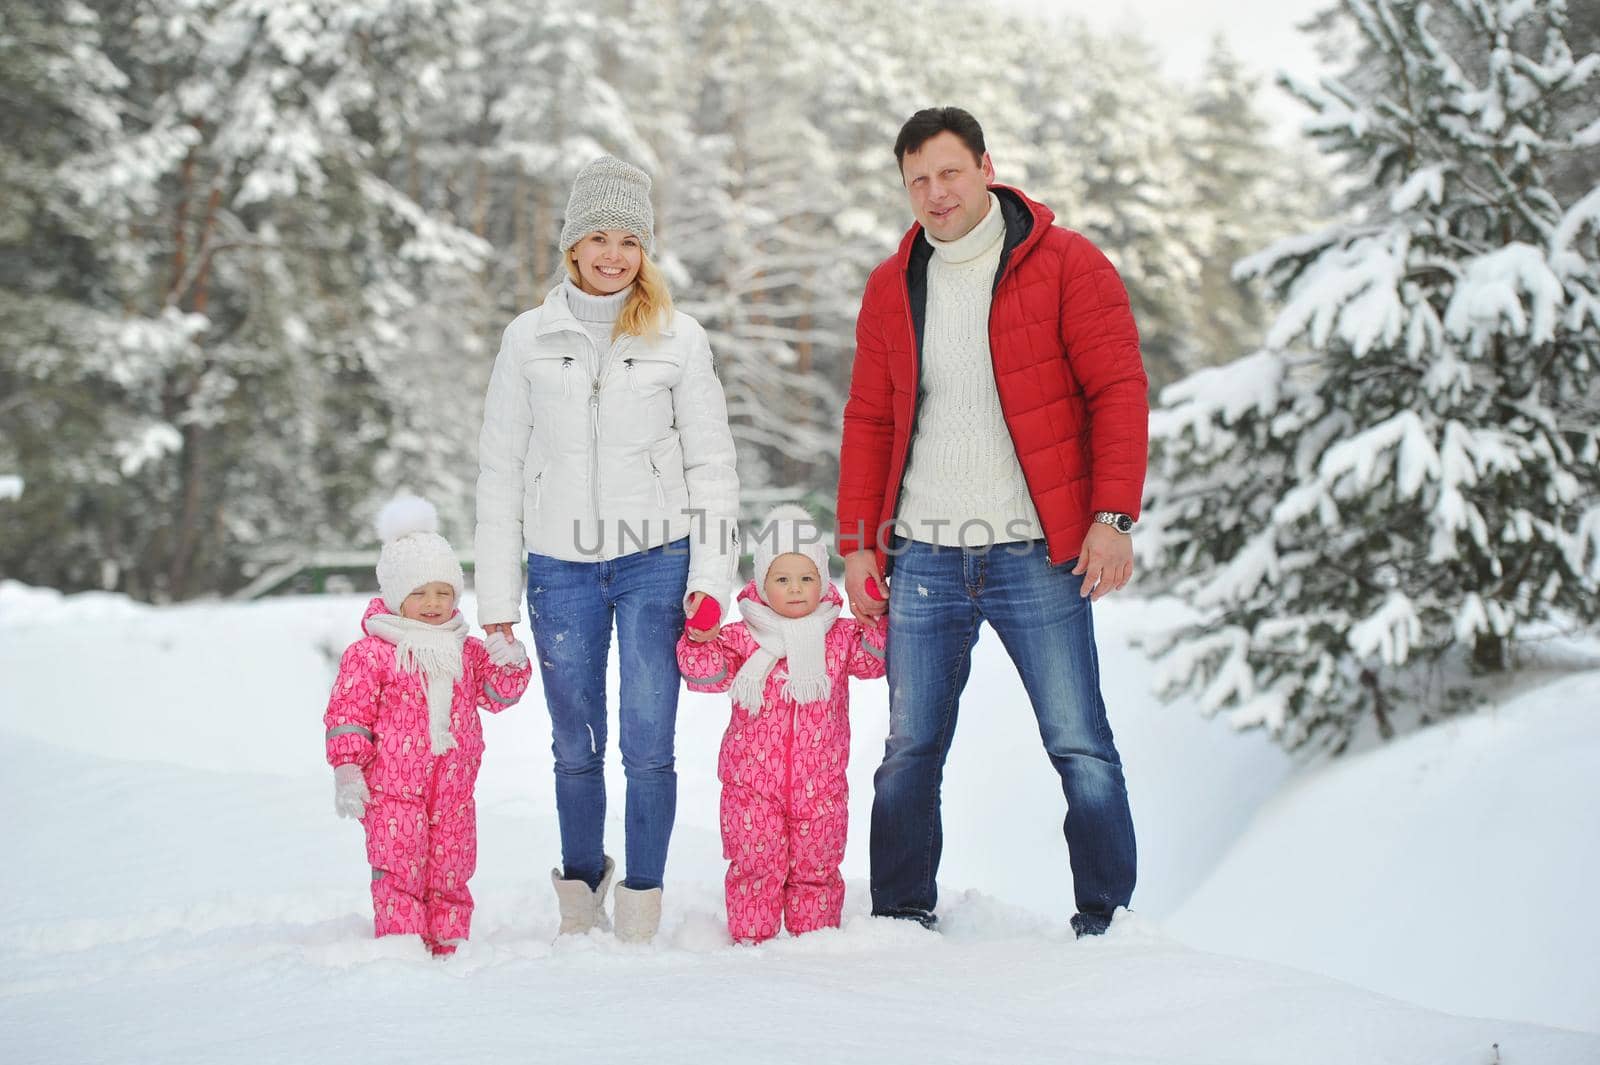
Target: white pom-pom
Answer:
[[787, 513], [404, 515]]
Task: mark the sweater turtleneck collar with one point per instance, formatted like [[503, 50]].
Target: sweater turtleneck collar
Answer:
[[601, 310], [979, 239]]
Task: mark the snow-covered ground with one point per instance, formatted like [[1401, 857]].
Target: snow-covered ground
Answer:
[[1458, 866], [177, 888]]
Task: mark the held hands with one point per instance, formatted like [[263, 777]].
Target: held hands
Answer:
[[704, 622], [1105, 561], [504, 649], [863, 586], [350, 794]]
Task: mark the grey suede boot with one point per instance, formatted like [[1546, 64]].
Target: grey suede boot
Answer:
[[581, 907], [638, 914]]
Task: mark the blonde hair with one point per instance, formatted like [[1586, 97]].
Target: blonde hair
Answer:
[[648, 307]]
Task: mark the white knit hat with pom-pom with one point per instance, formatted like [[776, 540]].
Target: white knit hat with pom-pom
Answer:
[[788, 529], [413, 553]]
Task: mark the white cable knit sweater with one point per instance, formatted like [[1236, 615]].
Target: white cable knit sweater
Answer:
[[963, 469]]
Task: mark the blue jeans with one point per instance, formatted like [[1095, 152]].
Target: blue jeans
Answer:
[[937, 599], [572, 606]]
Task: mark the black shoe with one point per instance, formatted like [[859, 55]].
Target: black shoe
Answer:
[[1090, 924], [925, 918]]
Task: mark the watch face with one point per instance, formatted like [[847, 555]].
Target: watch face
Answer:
[[1124, 523]]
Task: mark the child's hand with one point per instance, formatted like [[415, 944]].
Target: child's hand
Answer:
[[705, 613], [350, 794], [505, 651]]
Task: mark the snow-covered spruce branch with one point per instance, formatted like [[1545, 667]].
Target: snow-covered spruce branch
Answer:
[[1425, 485]]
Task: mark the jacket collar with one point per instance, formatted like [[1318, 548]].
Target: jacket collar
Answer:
[[555, 315], [1026, 223]]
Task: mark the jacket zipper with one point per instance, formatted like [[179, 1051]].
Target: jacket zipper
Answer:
[[602, 373], [1000, 276], [916, 409], [794, 727]]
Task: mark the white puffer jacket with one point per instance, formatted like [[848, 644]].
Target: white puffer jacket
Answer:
[[587, 456]]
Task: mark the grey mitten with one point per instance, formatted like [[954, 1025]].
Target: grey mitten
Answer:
[[350, 794], [504, 651]]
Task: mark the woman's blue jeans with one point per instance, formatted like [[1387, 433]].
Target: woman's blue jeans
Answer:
[[572, 606], [937, 599]]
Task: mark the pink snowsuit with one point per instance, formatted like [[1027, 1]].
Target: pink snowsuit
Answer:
[[422, 826], [784, 792]]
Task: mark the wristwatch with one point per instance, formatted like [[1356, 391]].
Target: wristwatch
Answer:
[[1120, 522]]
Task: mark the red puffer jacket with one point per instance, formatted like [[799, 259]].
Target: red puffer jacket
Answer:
[[1066, 363]]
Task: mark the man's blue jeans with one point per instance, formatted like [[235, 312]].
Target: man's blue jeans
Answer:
[[937, 599], [572, 606]]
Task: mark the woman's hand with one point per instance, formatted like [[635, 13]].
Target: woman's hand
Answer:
[[503, 628]]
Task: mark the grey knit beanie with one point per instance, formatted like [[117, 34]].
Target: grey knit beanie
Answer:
[[609, 194]]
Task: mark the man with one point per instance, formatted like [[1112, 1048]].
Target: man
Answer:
[[993, 463]]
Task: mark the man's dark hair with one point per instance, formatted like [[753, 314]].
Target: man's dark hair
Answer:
[[932, 121]]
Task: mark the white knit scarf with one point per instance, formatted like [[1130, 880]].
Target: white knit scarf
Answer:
[[434, 651], [803, 641]]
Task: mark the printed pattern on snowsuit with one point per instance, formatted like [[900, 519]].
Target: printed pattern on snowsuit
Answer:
[[784, 793], [421, 825]]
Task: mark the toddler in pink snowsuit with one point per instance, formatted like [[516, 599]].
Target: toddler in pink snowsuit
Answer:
[[403, 734], [783, 758]]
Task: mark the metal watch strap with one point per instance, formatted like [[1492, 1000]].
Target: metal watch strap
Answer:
[[1123, 523]]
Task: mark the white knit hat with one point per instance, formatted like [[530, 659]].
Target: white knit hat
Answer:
[[788, 529], [609, 194], [413, 552]]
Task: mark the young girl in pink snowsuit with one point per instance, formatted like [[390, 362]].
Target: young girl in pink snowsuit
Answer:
[[403, 734], [783, 757]]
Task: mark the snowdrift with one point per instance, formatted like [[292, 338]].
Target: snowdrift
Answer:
[[178, 889]]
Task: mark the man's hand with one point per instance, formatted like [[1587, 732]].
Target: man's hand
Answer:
[[699, 635], [859, 567], [1105, 561]]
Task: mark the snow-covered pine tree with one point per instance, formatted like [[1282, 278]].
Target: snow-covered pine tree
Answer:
[[1124, 127], [1370, 510], [62, 105], [1246, 190], [874, 81], [752, 233], [262, 262]]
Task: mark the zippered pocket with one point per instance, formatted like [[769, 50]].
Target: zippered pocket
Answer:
[[661, 491], [553, 372], [645, 374]]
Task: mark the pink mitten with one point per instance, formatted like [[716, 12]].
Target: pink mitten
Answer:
[[707, 616]]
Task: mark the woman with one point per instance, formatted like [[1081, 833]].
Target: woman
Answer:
[[606, 457]]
